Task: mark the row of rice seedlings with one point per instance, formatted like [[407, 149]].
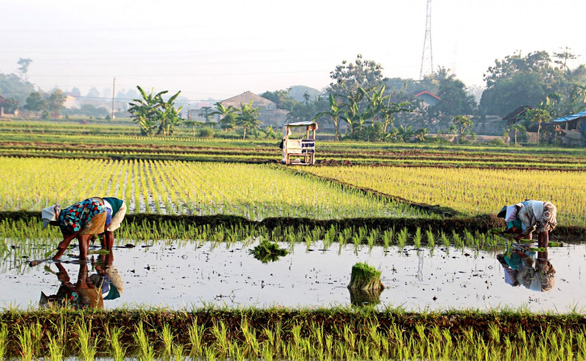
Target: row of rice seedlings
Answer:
[[471, 191], [252, 191], [29, 229], [300, 339]]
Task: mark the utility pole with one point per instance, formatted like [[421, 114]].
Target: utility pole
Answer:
[[427, 56], [113, 95]]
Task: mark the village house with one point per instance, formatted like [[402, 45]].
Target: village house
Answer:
[[269, 114]]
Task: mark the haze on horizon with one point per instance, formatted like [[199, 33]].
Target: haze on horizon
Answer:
[[219, 49]]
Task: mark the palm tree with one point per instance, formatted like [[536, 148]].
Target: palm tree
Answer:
[[405, 133], [227, 115], [516, 129], [537, 115], [248, 117]]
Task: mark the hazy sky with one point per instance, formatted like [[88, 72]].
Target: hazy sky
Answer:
[[220, 48]]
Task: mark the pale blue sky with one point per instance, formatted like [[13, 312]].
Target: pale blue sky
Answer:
[[221, 48]]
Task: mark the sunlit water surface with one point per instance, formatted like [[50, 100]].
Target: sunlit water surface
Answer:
[[191, 275]]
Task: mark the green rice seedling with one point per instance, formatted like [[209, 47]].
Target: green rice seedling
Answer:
[[494, 333], [3, 341], [26, 342], [55, 349], [86, 348], [445, 240], [167, 337], [145, 349], [388, 238], [402, 238], [417, 238], [196, 334], [252, 344], [178, 353], [458, 242], [117, 351], [210, 354], [430, 239], [221, 334]]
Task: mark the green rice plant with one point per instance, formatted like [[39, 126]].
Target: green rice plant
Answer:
[[55, 348], [221, 334], [3, 340], [86, 348], [430, 239], [28, 339], [445, 240], [210, 354], [167, 337], [178, 353], [145, 349], [388, 238], [117, 351], [402, 238], [417, 238], [196, 333]]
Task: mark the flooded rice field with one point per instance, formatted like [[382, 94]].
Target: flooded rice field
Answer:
[[190, 274]]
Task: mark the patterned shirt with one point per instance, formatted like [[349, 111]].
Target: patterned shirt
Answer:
[[77, 216]]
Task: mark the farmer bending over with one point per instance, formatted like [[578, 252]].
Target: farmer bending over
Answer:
[[83, 220], [525, 217]]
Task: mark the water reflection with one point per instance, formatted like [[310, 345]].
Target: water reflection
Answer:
[[360, 297], [89, 290], [527, 266]]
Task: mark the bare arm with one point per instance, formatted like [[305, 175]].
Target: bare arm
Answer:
[[62, 247]]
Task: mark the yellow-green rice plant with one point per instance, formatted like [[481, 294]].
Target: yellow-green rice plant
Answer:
[[3, 340], [167, 337], [494, 333], [402, 238], [87, 348], [178, 353], [445, 240], [221, 334], [28, 341], [145, 349], [210, 354], [388, 238], [117, 351], [430, 239], [417, 238], [196, 333], [55, 348]]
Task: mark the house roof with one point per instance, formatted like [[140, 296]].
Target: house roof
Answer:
[[245, 98], [517, 112], [570, 117], [425, 92], [2, 100]]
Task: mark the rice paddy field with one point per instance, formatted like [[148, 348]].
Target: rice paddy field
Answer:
[[190, 284]]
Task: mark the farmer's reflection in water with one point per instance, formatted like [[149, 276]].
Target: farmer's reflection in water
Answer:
[[527, 267], [89, 290]]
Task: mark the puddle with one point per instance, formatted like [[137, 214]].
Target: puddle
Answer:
[[191, 275]]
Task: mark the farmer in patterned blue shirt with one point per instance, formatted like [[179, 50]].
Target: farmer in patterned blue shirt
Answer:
[[84, 220]]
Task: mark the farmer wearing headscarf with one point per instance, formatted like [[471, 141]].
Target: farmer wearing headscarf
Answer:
[[526, 217], [84, 220]]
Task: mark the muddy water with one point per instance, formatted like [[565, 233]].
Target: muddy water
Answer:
[[191, 275]]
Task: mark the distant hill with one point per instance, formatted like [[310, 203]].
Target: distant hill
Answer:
[[296, 92]]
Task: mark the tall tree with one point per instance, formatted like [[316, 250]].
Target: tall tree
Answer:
[[23, 64], [55, 102], [349, 76], [36, 102], [153, 111], [333, 113]]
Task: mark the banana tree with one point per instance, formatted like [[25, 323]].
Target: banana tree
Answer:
[[334, 113], [538, 116], [145, 112], [169, 116]]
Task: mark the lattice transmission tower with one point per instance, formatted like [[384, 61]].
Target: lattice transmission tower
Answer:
[[427, 56]]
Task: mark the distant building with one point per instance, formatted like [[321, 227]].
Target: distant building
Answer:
[[5, 108], [429, 99], [269, 114], [571, 129]]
